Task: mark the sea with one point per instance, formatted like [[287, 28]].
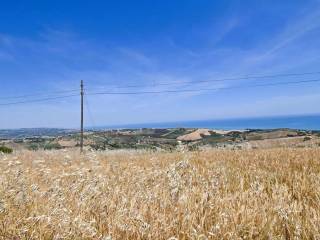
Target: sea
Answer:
[[305, 122]]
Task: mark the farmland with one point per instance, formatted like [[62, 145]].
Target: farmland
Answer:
[[139, 194], [167, 139]]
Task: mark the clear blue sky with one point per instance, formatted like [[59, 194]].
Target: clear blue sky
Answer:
[[51, 45]]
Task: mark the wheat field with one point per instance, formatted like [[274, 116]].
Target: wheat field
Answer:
[[210, 194]]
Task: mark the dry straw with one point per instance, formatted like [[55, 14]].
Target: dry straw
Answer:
[[212, 194]]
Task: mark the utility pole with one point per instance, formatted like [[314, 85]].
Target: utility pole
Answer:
[[81, 133]]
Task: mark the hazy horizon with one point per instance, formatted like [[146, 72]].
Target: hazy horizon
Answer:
[[301, 118]]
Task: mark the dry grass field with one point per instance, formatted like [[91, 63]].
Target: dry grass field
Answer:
[[212, 194]]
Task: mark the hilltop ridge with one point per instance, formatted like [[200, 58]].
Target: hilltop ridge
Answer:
[[158, 139]]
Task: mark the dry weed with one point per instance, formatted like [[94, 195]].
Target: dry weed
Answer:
[[212, 194]]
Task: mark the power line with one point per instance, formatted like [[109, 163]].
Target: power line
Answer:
[[217, 80], [38, 100], [203, 89], [88, 108], [157, 92], [164, 84], [39, 94]]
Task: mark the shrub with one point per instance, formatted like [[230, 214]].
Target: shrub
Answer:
[[33, 147], [51, 146], [307, 138], [5, 149]]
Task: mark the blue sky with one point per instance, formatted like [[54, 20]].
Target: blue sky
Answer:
[[49, 46]]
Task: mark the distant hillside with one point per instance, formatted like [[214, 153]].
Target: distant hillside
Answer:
[[33, 132], [158, 139]]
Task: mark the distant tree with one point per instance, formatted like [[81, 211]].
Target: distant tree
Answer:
[[33, 147], [5, 149], [51, 146], [307, 138]]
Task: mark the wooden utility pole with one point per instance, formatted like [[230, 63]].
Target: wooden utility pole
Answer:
[[81, 133]]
